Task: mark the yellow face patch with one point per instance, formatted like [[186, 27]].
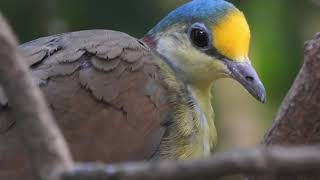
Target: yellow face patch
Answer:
[[231, 36]]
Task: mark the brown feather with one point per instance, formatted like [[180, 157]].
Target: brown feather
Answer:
[[105, 92]]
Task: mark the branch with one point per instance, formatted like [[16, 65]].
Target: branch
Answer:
[[36, 128], [298, 120], [260, 161]]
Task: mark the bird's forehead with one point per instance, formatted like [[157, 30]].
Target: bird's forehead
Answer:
[[231, 36]]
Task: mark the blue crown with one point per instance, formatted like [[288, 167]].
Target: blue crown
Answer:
[[194, 11]]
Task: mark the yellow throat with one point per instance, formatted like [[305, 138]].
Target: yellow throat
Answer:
[[191, 132]]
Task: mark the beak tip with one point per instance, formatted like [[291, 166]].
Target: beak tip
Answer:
[[263, 100], [262, 97], [245, 74]]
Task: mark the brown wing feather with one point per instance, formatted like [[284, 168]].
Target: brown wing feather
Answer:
[[105, 93]]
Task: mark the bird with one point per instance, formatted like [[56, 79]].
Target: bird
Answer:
[[118, 98]]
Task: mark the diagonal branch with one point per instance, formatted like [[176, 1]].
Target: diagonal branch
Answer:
[[298, 119], [36, 127]]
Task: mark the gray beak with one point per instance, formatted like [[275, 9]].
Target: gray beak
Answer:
[[246, 75]]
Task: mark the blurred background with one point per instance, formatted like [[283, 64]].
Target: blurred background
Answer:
[[279, 30]]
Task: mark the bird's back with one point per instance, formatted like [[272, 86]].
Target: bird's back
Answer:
[[105, 92]]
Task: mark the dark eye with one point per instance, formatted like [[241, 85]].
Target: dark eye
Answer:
[[199, 37]]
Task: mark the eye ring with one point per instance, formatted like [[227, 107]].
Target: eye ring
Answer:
[[199, 36]]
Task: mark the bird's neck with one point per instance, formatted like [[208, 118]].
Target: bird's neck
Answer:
[[191, 132], [202, 96]]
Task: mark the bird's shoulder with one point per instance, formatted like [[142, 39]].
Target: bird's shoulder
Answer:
[[105, 91]]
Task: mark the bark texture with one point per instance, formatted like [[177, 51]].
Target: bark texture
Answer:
[[298, 119]]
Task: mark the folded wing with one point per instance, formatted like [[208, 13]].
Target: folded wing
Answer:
[[105, 92]]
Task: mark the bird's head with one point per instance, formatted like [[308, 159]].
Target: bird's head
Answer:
[[204, 40]]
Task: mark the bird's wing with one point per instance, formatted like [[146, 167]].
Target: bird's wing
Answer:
[[105, 92]]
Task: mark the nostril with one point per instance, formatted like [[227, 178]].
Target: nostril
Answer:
[[249, 78]]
